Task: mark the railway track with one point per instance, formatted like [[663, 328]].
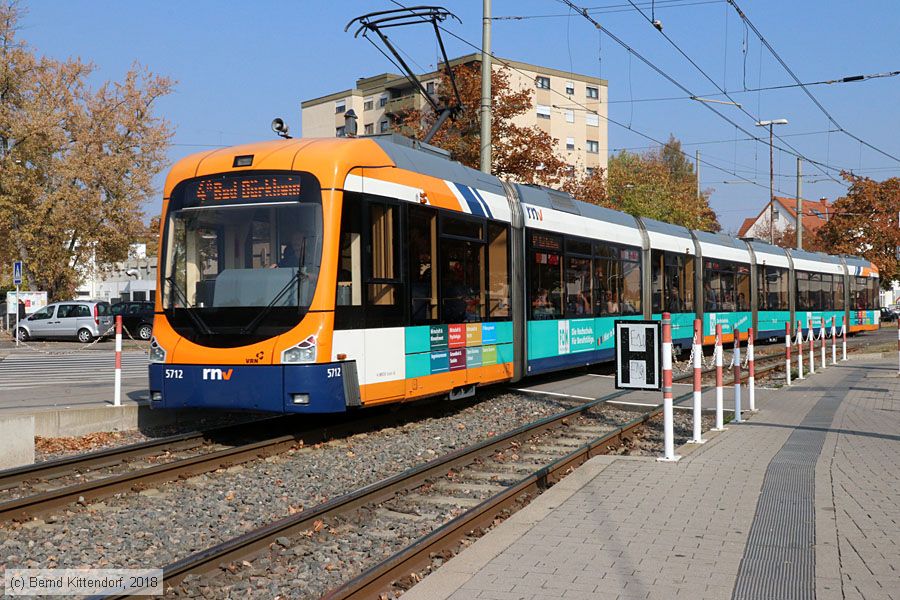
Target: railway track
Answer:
[[51, 485], [536, 456]]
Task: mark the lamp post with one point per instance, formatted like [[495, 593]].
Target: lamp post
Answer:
[[770, 124]]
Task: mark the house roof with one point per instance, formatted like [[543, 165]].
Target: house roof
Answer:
[[815, 213]]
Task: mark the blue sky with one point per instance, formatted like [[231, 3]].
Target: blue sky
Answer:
[[238, 65]]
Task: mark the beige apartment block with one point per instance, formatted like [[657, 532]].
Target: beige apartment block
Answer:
[[572, 108]]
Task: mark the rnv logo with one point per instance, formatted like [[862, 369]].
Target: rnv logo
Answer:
[[217, 374]]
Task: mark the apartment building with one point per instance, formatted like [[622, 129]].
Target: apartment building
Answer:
[[572, 108]]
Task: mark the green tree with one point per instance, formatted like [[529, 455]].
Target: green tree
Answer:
[[660, 184], [76, 163]]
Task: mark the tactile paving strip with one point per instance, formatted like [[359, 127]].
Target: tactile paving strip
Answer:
[[780, 558]]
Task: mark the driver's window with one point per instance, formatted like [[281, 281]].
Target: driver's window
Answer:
[[44, 313]]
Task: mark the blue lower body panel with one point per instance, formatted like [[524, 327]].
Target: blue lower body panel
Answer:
[[258, 388]]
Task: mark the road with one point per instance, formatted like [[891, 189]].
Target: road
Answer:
[[33, 381]]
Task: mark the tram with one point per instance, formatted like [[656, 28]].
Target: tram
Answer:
[[321, 275]]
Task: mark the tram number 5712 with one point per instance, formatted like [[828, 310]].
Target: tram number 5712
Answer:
[[334, 372]]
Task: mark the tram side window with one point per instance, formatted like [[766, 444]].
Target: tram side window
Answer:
[[631, 282], [815, 291], [498, 271], [742, 287], [803, 301], [606, 280], [462, 271], [578, 279], [657, 293], [422, 274], [772, 287], [678, 282], [349, 280], [874, 294], [384, 275], [827, 292], [839, 292], [545, 284]]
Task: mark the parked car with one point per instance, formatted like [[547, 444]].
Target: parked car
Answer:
[[79, 319], [888, 315], [137, 317]]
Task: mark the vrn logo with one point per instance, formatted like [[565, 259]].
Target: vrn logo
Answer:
[[217, 374], [534, 213]]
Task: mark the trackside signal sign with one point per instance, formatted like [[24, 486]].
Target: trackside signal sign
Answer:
[[638, 355], [17, 272]]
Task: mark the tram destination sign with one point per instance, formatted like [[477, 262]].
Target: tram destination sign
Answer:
[[638, 355], [271, 187]]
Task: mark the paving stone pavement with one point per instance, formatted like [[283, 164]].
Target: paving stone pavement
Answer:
[[632, 528]]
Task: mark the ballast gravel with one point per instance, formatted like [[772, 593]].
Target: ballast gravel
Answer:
[[160, 525]]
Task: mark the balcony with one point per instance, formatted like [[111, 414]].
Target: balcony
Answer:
[[397, 106]]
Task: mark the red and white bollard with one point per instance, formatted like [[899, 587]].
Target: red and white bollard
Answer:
[[117, 397], [822, 337], [812, 349], [698, 392], [833, 342], [844, 337], [751, 384], [787, 352], [720, 409], [799, 350], [736, 359], [668, 410]]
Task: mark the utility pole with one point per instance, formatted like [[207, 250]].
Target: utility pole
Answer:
[[771, 189], [486, 88], [697, 160], [799, 205]]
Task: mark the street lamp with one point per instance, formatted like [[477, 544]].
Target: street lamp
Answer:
[[770, 124]]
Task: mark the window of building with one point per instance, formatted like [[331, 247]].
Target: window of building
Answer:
[[340, 107], [370, 128], [339, 131], [589, 171], [593, 147], [570, 116], [570, 143], [543, 112], [570, 88], [368, 104], [592, 119], [429, 87], [592, 92], [542, 82], [382, 101], [383, 126]]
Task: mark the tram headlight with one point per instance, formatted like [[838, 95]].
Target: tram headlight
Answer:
[[157, 352], [304, 352]]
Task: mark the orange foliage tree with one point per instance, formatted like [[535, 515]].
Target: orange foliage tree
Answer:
[[524, 154], [865, 223]]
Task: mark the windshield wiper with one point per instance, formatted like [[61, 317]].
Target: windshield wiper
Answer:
[[199, 323], [254, 324]]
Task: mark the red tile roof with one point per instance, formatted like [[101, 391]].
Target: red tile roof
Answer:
[[815, 213]]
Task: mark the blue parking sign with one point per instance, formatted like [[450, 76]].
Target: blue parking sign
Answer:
[[17, 272]]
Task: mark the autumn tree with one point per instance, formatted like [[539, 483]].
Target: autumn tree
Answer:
[[660, 184], [524, 154], [864, 223], [76, 163]]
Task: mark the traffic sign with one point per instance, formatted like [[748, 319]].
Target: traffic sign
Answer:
[[17, 272], [638, 355]]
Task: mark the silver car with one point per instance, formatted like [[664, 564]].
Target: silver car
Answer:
[[82, 320]]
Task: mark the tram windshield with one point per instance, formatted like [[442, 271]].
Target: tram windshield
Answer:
[[242, 256]]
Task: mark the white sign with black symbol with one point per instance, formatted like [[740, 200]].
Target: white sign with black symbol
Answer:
[[638, 355]]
